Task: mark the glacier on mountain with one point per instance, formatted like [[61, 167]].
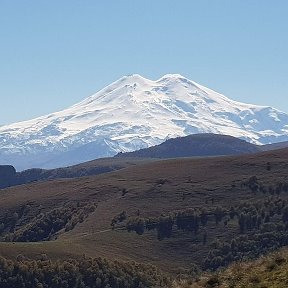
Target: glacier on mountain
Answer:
[[133, 113]]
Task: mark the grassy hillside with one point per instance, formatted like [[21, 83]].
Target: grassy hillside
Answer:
[[9, 177], [252, 187], [266, 272]]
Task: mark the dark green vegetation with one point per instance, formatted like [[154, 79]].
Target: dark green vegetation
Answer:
[[71, 273], [44, 226], [187, 213], [263, 226]]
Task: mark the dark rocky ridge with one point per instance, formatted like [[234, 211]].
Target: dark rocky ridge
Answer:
[[197, 145], [7, 176]]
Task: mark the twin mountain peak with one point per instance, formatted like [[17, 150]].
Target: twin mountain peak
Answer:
[[134, 113]]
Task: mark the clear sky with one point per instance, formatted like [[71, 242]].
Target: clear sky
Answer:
[[55, 53]]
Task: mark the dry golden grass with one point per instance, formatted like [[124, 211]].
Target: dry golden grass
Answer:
[[266, 272]]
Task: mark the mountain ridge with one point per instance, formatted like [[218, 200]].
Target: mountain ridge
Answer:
[[134, 113], [196, 145]]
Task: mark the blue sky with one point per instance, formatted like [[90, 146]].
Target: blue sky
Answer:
[[55, 53]]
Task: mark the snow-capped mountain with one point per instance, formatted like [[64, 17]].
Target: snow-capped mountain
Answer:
[[134, 113]]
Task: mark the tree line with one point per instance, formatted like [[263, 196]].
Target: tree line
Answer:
[[44, 226], [82, 273], [262, 227]]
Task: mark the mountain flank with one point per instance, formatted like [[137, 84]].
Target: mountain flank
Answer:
[[274, 146], [134, 113]]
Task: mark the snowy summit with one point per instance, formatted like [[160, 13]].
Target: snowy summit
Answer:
[[134, 113]]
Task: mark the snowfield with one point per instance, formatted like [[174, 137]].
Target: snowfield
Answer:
[[134, 113]]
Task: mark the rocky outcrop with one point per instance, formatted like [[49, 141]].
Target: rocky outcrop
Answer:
[[7, 176]]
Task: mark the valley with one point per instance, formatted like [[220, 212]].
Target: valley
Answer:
[[151, 190]]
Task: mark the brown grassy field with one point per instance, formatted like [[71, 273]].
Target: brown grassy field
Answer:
[[150, 190]]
